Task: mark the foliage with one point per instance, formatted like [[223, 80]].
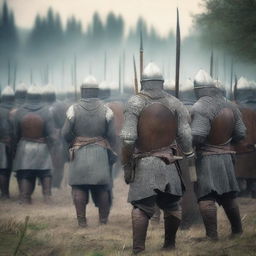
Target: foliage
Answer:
[[230, 25]]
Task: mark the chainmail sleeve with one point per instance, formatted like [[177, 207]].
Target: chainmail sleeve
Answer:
[[200, 125], [110, 128], [184, 138], [239, 131], [133, 108], [67, 130]]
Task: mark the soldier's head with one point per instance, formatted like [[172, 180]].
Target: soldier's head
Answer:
[[34, 94], [7, 95], [152, 77], [20, 93], [90, 87], [49, 95], [204, 85]]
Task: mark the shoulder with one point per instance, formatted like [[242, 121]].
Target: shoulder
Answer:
[[135, 103], [71, 111], [109, 113]]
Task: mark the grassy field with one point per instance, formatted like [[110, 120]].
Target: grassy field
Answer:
[[52, 229]]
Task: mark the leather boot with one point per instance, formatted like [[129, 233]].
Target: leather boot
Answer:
[[172, 221], [46, 183], [208, 212], [232, 211], [4, 186], [139, 228], [104, 206], [27, 187], [80, 198]]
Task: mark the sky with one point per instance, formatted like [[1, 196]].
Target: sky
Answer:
[[160, 13]]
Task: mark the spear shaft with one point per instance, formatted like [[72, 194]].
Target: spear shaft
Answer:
[[136, 88], [177, 76]]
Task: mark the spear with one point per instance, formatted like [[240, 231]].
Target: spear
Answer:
[[9, 72], [141, 55], [211, 64], [177, 76], [75, 80], [14, 76], [136, 88], [123, 69], [105, 66], [120, 77], [31, 76], [235, 88], [231, 78]]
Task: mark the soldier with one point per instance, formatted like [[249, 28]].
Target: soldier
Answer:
[[154, 120], [215, 124], [34, 136], [59, 151], [20, 98], [6, 105], [89, 129]]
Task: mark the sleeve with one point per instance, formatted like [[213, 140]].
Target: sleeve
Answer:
[[110, 133], [67, 129], [131, 114], [51, 132], [184, 138], [200, 126], [239, 131]]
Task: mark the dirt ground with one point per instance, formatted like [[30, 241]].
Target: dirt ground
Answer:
[[52, 229]]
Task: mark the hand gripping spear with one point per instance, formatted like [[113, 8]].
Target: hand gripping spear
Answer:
[[177, 76]]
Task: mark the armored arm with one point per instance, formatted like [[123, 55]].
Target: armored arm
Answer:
[[110, 132], [239, 131], [67, 129], [129, 135]]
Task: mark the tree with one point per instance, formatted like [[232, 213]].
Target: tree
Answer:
[[230, 25], [8, 34]]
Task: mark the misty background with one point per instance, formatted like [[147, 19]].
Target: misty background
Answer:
[[50, 50]]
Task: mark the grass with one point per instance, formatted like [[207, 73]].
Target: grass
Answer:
[[53, 231]]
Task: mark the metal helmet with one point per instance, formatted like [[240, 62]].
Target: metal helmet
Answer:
[[104, 90], [243, 83], [20, 93], [7, 94], [90, 87], [203, 80], [152, 77], [34, 93], [221, 87], [49, 94], [90, 82]]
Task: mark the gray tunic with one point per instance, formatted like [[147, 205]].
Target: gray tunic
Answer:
[[31, 155], [215, 173], [151, 173], [90, 164]]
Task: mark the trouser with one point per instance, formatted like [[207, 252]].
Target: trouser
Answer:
[[144, 209], [101, 195], [208, 211], [27, 181], [57, 177], [5, 175]]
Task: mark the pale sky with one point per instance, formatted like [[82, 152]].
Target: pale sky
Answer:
[[160, 13]]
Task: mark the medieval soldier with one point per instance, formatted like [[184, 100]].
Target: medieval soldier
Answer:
[[7, 103], [60, 150], [154, 122], [89, 129], [34, 136], [20, 98], [215, 124]]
